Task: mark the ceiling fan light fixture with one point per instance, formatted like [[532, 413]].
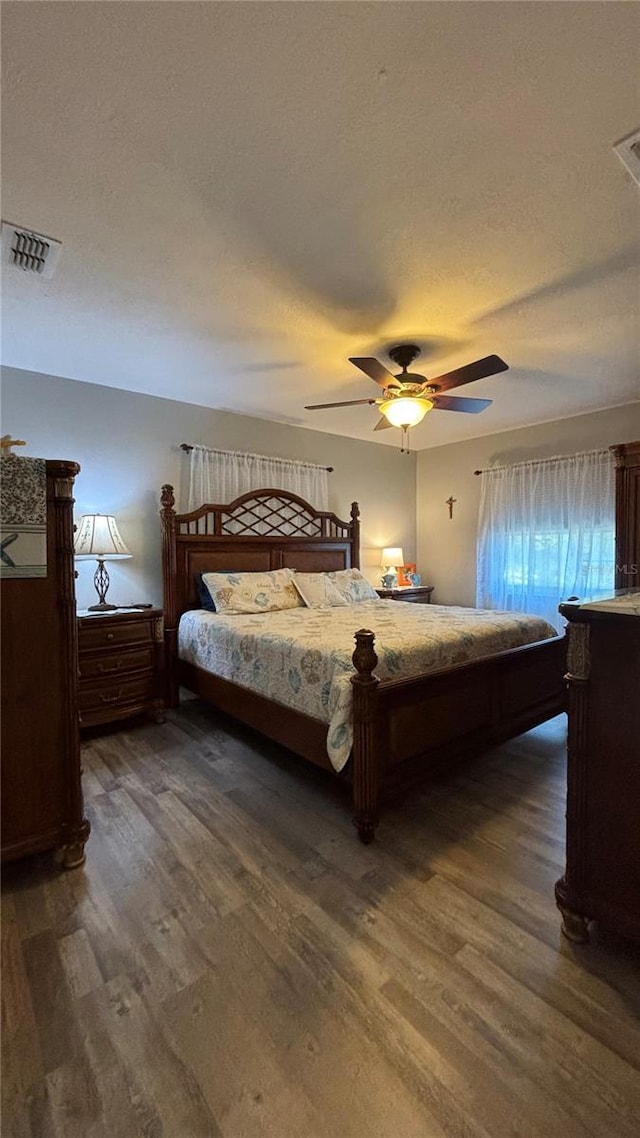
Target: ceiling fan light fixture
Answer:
[[405, 411]]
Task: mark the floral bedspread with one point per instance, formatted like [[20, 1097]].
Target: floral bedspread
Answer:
[[302, 657]]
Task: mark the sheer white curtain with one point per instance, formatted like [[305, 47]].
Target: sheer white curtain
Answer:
[[222, 475], [546, 532]]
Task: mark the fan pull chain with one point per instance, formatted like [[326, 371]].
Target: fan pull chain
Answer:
[[405, 449]]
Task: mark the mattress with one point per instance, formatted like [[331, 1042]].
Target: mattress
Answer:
[[301, 657]]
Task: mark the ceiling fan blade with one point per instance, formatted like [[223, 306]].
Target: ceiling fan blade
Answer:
[[479, 369], [375, 370], [382, 424], [451, 403], [345, 403]]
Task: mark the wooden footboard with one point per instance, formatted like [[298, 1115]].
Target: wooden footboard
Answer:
[[408, 728], [422, 725]]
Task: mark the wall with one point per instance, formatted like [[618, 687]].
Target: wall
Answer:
[[447, 547], [128, 446]]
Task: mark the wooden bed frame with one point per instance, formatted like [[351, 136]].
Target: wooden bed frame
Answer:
[[401, 726]]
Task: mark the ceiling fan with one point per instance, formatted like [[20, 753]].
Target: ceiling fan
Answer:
[[408, 397]]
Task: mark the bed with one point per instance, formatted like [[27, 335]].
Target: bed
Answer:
[[400, 726]]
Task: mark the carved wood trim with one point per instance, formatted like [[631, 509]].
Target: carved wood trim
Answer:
[[578, 658]]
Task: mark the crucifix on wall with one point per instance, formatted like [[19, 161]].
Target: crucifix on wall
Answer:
[[449, 502], [7, 444]]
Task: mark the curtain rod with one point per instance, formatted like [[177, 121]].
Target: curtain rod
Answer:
[[189, 446], [543, 461]]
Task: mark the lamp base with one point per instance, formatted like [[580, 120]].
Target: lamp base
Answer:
[[102, 607]]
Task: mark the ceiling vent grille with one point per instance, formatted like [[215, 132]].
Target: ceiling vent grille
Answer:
[[628, 151], [29, 251]]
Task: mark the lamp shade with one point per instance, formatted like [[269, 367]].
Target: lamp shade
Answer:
[[392, 557], [97, 536], [405, 411]]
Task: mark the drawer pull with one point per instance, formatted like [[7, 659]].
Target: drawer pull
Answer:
[[109, 636], [103, 669], [111, 698]]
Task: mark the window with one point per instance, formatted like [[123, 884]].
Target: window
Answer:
[[547, 532]]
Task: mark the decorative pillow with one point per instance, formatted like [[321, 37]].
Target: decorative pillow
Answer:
[[253, 592], [353, 586], [204, 596], [317, 591]]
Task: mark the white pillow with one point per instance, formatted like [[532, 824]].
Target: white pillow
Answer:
[[317, 591], [252, 592], [353, 586]]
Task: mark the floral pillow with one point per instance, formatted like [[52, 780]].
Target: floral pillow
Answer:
[[353, 586], [317, 591], [253, 592]]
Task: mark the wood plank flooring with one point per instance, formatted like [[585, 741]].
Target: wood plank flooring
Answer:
[[232, 963]]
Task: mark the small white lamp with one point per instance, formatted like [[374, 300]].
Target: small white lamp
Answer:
[[97, 537], [390, 559]]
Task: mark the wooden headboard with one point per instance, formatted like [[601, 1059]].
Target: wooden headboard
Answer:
[[261, 530]]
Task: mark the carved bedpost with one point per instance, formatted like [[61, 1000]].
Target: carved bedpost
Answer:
[[355, 536], [575, 924], [365, 754], [170, 603]]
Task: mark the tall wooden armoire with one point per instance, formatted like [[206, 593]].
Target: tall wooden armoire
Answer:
[[627, 459], [41, 789], [602, 876]]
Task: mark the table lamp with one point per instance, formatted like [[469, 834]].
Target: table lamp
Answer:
[[97, 536], [390, 559]]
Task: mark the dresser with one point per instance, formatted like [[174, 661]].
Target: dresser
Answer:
[[41, 789], [602, 876], [415, 594], [121, 665]]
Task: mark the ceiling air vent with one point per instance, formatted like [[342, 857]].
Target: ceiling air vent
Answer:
[[29, 251], [628, 151]]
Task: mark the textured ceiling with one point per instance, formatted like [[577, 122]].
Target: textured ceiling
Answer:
[[250, 193]]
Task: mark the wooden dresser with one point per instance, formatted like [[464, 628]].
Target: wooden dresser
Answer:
[[41, 790], [415, 594], [121, 665], [602, 878]]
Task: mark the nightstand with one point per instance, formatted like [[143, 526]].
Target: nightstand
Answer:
[[416, 594], [121, 665]]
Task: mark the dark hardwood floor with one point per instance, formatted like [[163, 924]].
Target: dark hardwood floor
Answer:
[[233, 962]]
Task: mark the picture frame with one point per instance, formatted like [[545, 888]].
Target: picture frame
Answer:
[[404, 580]]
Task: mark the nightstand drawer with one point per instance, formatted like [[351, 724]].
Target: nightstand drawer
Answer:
[[117, 693], [414, 594], [121, 666], [102, 667], [110, 634]]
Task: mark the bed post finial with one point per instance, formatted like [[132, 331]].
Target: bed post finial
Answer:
[[365, 757], [167, 499], [355, 535], [364, 657]]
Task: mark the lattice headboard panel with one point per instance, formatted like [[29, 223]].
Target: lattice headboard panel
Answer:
[[263, 514], [264, 529]]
